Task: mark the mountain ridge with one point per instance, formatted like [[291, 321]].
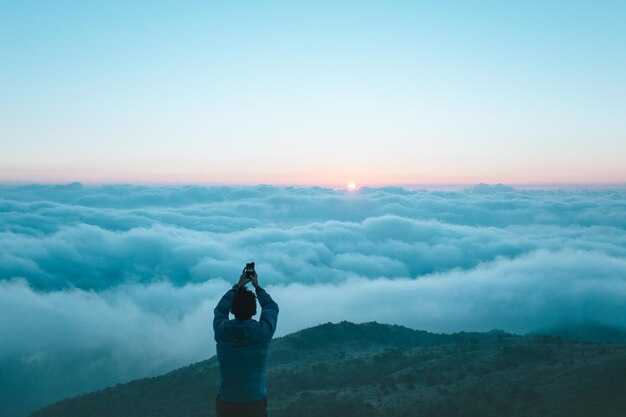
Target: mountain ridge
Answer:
[[373, 369]]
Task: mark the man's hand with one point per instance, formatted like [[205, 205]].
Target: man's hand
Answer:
[[255, 280], [243, 280]]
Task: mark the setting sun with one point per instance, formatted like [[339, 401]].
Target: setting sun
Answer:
[[351, 186]]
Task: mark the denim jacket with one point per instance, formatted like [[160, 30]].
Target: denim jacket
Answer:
[[242, 348]]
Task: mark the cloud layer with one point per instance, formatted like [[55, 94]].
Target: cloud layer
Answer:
[[129, 275]]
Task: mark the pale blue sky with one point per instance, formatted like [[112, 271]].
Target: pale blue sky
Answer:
[[323, 92]]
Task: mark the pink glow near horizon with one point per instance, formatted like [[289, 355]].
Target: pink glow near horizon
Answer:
[[179, 180], [311, 173]]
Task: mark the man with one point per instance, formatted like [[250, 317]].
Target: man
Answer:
[[242, 348]]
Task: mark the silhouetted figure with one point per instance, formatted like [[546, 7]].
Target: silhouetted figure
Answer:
[[242, 348]]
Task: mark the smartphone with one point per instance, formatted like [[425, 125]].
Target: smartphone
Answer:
[[249, 269]]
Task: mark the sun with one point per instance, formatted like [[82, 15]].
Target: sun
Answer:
[[351, 186]]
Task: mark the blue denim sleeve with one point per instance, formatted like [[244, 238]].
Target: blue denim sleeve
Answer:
[[269, 312], [221, 312]]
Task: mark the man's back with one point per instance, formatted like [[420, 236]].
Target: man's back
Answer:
[[242, 348]]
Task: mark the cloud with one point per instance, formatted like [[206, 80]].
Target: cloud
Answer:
[[540, 289], [74, 236], [122, 280], [152, 327]]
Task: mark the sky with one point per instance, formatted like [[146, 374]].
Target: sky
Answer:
[[104, 284], [313, 93]]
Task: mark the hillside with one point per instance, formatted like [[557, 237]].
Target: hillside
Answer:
[[382, 370]]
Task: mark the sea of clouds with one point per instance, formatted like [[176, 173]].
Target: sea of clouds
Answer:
[[100, 285]]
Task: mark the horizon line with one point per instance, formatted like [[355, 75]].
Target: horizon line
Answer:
[[404, 185]]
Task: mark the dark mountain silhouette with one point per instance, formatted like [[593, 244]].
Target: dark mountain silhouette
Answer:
[[587, 331], [375, 369]]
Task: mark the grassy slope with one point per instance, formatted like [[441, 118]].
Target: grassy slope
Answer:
[[380, 370]]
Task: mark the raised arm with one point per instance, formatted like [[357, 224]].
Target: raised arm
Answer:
[[269, 312], [221, 311], [269, 308]]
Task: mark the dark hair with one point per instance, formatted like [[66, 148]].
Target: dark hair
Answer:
[[244, 304]]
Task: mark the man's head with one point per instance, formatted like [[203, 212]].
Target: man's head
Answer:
[[244, 304]]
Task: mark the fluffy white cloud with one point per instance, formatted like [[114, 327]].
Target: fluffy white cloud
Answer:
[[123, 279], [84, 237]]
